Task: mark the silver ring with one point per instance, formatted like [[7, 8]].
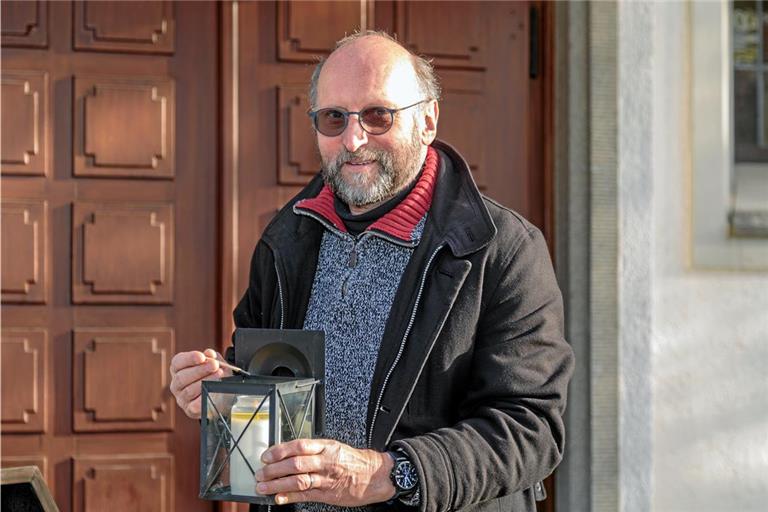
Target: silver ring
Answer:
[[311, 480]]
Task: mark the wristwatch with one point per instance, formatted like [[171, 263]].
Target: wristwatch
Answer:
[[405, 478]]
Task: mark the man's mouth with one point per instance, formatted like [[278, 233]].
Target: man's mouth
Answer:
[[362, 162]]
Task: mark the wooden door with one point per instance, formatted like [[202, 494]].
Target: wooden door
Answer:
[[109, 244], [495, 77]]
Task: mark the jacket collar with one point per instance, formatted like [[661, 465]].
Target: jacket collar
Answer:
[[457, 212], [400, 222]]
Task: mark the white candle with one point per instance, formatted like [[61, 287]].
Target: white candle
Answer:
[[252, 444]]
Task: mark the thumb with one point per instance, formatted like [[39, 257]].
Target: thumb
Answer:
[[209, 352]]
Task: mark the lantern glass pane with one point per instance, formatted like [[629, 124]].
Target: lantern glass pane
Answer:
[[297, 414], [242, 418]]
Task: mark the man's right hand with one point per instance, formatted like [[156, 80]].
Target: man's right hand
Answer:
[[188, 370]]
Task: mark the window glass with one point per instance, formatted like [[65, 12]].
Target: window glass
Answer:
[[765, 109], [750, 90], [765, 31]]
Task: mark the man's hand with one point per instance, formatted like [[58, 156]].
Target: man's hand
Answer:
[[188, 370], [325, 471]]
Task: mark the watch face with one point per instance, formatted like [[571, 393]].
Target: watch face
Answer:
[[405, 475]]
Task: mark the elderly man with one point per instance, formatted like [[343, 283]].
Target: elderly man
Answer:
[[446, 368]]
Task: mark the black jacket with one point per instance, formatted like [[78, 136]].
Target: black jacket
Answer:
[[473, 369]]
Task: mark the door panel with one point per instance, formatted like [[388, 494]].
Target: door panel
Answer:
[[25, 107], [24, 369], [25, 24], [143, 403], [460, 40], [109, 241], [302, 39], [137, 109], [144, 27], [25, 261]]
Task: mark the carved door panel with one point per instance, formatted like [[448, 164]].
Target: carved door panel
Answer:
[[109, 190], [495, 78]]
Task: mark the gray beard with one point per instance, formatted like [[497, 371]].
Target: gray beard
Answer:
[[362, 190]]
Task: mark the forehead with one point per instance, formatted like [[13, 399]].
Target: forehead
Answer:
[[368, 72]]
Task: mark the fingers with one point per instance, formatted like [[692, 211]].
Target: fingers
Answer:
[[301, 482], [296, 471], [185, 360], [188, 369], [325, 471], [209, 352], [193, 408], [299, 497], [191, 375], [294, 448], [290, 466]]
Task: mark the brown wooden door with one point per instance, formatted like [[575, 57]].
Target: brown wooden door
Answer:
[[493, 106], [109, 244]]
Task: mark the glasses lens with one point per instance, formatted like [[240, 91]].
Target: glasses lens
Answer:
[[330, 121], [376, 120]]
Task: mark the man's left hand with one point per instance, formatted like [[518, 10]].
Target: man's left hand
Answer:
[[325, 471]]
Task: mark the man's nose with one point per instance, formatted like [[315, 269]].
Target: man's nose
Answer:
[[354, 136]]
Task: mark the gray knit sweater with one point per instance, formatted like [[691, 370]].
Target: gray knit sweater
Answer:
[[352, 294]]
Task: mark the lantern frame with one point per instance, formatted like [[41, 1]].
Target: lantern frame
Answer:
[[215, 423]]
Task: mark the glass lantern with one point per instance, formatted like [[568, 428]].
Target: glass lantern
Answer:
[[241, 417]]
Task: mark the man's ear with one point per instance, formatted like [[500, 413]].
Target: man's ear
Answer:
[[431, 113]]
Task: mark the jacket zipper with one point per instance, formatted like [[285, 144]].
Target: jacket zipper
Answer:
[[282, 315], [280, 294], [402, 344]]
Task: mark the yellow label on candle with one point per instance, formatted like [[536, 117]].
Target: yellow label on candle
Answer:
[[239, 416]]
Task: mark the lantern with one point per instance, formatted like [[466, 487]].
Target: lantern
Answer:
[[241, 416]]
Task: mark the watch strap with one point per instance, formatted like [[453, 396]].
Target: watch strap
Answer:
[[409, 497]]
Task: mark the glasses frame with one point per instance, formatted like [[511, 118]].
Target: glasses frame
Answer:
[[346, 113]]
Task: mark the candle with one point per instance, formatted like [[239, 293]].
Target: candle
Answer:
[[252, 444]]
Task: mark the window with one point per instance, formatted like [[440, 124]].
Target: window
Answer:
[[729, 94], [749, 180]]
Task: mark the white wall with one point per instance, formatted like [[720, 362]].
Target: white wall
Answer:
[[708, 329]]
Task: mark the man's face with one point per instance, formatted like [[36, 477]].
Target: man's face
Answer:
[[364, 169]]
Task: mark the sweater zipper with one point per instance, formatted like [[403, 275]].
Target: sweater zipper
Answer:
[[359, 238], [402, 344]]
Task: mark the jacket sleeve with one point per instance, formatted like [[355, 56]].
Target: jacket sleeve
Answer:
[[512, 434]]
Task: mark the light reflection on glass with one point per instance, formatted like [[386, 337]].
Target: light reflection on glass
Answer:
[[745, 32]]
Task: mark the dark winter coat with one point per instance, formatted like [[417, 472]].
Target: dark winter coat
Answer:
[[473, 369]]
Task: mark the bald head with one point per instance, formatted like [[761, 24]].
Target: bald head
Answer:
[[376, 52], [369, 65]]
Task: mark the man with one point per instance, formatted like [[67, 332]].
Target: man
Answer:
[[445, 357]]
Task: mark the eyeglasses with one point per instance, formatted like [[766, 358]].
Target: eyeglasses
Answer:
[[374, 120]]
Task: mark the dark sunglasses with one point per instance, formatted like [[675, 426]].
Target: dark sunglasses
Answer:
[[374, 120]]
